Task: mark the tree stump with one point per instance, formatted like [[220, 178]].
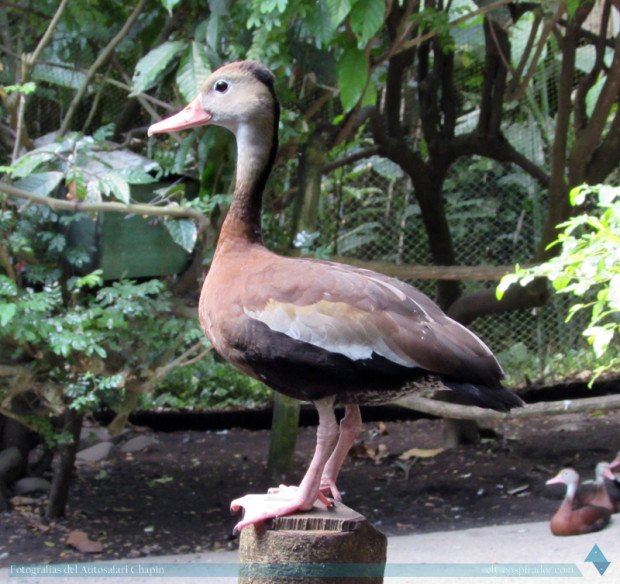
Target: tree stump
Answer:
[[320, 546]]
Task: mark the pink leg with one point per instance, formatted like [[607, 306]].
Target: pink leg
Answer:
[[349, 427], [288, 500]]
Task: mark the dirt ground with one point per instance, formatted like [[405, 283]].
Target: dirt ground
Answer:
[[173, 498]]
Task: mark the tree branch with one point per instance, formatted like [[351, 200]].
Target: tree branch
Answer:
[[459, 412], [350, 159], [483, 302], [496, 147], [588, 81], [137, 209], [559, 206], [516, 92], [103, 56], [589, 136], [12, 370], [495, 74], [607, 156], [31, 59], [463, 19]]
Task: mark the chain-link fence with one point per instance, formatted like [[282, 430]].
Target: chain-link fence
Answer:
[[494, 220]]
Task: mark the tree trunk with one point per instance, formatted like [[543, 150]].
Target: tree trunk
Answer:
[[63, 465], [311, 166]]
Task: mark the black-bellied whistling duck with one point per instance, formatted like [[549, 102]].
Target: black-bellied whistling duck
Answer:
[[311, 329], [613, 487], [600, 497], [571, 518]]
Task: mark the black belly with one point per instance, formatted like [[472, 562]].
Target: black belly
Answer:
[[307, 372]]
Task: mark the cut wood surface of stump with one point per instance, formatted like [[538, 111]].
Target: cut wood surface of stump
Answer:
[[320, 546]]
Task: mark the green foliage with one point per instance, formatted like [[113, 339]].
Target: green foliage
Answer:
[[209, 383], [26, 88], [526, 367], [352, 77], [587, 267], [431, 20], [152, 64], [90, 338], [82, 162]]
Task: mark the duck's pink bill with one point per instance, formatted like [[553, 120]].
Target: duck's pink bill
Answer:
[[190, 116]]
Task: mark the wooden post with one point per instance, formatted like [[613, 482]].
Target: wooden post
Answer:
[[320, 546], [284, 426]]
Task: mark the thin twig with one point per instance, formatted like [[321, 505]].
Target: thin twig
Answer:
[[193, 359], [351, 159], [518, 92], [103, 56], [32, 58], [481, 11], [19, 127]]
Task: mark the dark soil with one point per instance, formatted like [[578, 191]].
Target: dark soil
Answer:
[[174, 497]]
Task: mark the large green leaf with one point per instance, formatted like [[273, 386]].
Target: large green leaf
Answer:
[[152, 64], [366, 19], [193, 70], [320, 23], [7, 312], [183, 231], [41, 183], [338, 10], [113, 184], [352, 77], [136, 176], [370, 95], [28, 163]]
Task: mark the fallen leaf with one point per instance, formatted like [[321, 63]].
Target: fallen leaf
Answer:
[[382, 428], [40, 527], [420, 453], [365, 451], [81, 542]]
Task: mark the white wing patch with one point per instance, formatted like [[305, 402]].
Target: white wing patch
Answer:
[[333, 326]]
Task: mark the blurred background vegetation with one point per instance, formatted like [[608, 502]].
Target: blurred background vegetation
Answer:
[[435, 141]]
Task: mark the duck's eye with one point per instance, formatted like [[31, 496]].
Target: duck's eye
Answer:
[[221, 86]]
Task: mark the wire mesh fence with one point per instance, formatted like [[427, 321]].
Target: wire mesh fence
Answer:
[[488, 228]]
